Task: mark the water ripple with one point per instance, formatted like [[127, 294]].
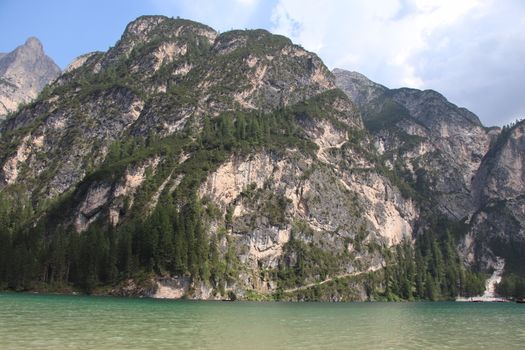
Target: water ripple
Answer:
[[67, 322]]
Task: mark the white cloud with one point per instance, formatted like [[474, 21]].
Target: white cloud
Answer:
[[247, 2], [365, 34], [465, 49]]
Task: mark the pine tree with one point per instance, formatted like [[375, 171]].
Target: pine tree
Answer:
[[420, 274], [214, 260]]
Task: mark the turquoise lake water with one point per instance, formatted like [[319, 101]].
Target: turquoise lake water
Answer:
[[29, 321]]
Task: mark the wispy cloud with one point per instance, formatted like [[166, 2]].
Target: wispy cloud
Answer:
[[470, 50], [378, 37]]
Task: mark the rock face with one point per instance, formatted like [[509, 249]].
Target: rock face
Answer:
[[470, 173], [160, 75], [433, 143], [23, 74], [498, 226]]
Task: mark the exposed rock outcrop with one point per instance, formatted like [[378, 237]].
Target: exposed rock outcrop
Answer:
[[470, 173], [23, 74], [436, 144], [497, 228]]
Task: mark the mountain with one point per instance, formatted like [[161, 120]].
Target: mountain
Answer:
[[470, 173], [498, 226], [23, 74], [430, 142], [184, 162]]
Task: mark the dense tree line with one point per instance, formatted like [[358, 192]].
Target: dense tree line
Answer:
[[169, 241], [429, 270], [512, 286]]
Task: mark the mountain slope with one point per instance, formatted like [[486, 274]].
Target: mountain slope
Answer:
[[433, 143], [183, 162], [498, 226], [472, 174], [23, 74]]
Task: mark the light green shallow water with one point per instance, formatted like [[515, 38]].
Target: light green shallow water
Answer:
[[76, 322]]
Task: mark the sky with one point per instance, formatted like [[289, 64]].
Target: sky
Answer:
[[472, 51]]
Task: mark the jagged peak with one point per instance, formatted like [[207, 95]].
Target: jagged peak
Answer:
[[143, 26], [33, 43], [434, 97], [28, 53], [31, 48], [257, 39], [79, 61]]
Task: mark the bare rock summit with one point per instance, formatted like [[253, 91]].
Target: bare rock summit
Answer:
[[23, 74]]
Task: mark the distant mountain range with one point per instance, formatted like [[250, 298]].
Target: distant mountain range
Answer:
[[187, 163]]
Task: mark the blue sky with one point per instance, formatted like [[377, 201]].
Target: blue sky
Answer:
[[69, 28], [472, 51]]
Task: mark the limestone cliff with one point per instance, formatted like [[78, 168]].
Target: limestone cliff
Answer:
[[498, 226], [435, 144], [470, 173]]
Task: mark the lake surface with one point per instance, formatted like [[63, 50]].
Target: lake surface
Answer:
[[30, 321]]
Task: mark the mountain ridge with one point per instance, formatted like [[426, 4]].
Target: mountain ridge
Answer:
[[438, 137]]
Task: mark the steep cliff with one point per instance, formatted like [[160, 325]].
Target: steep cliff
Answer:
[[472, 174], [243, 135], [498, 226], [432, 143], [23, 74]]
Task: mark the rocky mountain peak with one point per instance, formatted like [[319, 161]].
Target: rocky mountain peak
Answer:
[[442, 144], [143, 25], [431, 108], [23, 74], [149, 30], [149, 27], [357, 86], [34, 44], [24, 55], [161, 75], [235, 39], [356, 76]]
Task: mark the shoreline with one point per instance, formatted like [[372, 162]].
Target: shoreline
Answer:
[[473, 300]]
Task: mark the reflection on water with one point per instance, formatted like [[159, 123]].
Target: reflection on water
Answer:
[[71, 322]]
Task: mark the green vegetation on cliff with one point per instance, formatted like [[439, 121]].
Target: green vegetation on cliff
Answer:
[[111, 179]]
